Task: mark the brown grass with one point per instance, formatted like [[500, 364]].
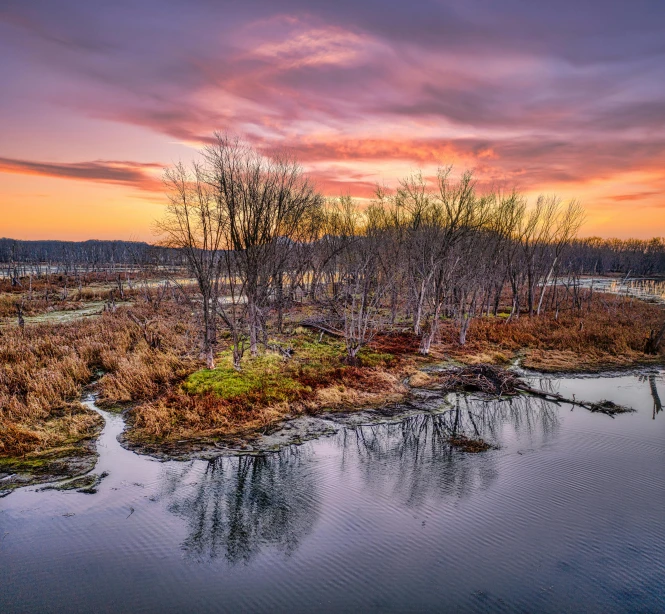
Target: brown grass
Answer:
[[613, 333], [59, 293], [44, 369], [178, 415]]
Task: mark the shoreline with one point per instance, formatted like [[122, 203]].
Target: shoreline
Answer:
[[54, 467], [143, 362]]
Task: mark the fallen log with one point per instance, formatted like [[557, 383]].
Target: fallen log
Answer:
[[609, 408], [318, 326], [488, 379]]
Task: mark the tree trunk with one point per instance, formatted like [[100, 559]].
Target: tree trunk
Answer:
[[253, 328], [464, 329], [654, 341], [417, 316], [547, 280], [210, 359]]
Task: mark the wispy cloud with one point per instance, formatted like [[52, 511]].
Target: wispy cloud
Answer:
[[141, 176], [541, 95]]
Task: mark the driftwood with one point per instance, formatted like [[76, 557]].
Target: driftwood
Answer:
[[318, 326], [492, 380], [609, 408]]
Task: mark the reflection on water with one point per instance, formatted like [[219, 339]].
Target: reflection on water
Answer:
[[564, 515], [653, 388], [424, 464], [237, 506]]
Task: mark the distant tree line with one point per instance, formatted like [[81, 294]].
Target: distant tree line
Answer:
[[23, 258], [629, 257]]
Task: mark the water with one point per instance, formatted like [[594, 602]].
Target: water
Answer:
[[650, 290], [567, 515]]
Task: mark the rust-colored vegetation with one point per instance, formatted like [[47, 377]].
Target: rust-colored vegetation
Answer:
[[611, 332], [146, 358], [45, 367]]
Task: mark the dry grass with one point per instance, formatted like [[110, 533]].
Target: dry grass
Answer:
[[420, 379], [225, 402], [612, 333], [44, 369], [59, 293]]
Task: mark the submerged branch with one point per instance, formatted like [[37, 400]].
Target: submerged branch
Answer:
[[489, 379]]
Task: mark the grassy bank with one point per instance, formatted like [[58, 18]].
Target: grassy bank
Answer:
[[223, 401], [46, 367], [612, 333], [145, 359]]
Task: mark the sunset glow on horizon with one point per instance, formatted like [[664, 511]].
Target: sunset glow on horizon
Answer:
[[565, 98]]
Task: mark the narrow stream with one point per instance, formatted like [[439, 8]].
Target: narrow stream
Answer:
[[566, 515]]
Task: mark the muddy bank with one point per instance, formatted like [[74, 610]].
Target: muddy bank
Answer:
[[290, 431], [428, 392], [58, 464]]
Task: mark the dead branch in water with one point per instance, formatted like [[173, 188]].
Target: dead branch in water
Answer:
[[492, 380], [609, 408]]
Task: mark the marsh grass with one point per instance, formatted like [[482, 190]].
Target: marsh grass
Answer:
[[59, 293], [224, 401], [168, 395], [45, 368], [612, 332]]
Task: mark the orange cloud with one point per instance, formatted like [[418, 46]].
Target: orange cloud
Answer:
[[136, 174]]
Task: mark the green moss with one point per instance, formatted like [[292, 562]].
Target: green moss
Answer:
[[23, 464], [41, 460], [261, 375], [329, 351], [308, 348], [370, 358], [268, 378]]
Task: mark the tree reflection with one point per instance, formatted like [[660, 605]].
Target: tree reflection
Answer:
[[238, 506], [416, 459], [653, 389]]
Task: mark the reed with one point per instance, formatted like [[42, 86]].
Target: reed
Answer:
[[45, 367]]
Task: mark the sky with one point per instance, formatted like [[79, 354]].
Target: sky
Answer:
[[97, 98]]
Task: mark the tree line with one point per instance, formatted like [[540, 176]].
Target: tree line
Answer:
[[258, 238]]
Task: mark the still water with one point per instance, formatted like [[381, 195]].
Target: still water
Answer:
[[567, 515]]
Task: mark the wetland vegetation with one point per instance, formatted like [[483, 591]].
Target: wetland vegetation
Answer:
[[265, 301]]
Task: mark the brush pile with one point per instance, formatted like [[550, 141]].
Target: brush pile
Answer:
[[608, 408], [487, 379], [491, 380], [467, 444]]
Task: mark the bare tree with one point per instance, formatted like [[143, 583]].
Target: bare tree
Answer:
[[266, 205], [363, 282], [197, 224], [236, 214]]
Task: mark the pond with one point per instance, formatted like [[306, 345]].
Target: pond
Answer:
[[566, 514]]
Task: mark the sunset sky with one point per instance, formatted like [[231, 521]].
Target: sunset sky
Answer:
[[560, 97]]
